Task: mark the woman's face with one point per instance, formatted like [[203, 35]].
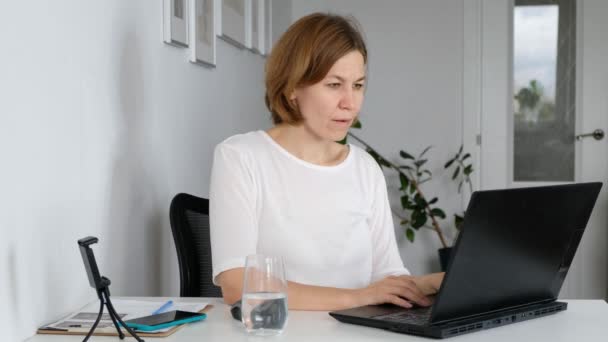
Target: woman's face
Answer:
[[330, 106]]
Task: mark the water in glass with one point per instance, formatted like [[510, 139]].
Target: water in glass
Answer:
[[264, 302]]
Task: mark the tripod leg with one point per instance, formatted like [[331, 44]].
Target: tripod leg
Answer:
[[115, 315], [111, 313], [95, 324]]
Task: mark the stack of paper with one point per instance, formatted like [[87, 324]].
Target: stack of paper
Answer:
[[83, 320]]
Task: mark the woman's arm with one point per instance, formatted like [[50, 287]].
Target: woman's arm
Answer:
[[398, 290]]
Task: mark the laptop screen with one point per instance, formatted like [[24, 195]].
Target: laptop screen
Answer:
[[515, 248]]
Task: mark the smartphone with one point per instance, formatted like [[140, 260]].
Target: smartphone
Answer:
[[164, 320]]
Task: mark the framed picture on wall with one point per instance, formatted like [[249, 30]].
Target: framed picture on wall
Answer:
[[236, 22], [202, 32], [175, 22], [257, 26], [267, 27], [217, 4]]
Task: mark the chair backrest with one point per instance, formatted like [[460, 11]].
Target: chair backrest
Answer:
[[189, 217]]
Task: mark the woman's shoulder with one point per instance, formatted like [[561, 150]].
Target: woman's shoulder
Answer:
[[243, 142], [364, 158], [366, 165]]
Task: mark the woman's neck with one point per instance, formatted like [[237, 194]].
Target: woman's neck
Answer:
[[298, 141]]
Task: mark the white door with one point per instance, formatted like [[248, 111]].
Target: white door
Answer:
[[526, 129]]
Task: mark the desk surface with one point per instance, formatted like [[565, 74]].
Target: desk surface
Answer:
[[585, 320]]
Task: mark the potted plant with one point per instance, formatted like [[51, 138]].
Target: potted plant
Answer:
[[418, 211]]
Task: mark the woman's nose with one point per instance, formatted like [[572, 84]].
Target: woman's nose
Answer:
[[347, 100]]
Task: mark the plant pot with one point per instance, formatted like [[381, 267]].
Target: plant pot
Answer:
[[445, 254]]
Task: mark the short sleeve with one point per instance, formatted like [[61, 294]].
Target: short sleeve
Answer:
[[386, 260], [231, 210]]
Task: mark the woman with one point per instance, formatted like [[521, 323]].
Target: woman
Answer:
[[293, 191]]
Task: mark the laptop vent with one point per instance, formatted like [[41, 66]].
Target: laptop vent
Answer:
[[467, 328], [507, 319], [545, 311]]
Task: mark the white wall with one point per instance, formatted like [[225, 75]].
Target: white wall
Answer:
[[414, 94], [100, 125]]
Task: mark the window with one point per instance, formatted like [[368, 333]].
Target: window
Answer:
[[544, 75]]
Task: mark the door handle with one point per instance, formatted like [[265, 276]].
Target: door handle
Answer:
[[598, 134]]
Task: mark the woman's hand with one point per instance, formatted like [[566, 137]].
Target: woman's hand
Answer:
[[429, 284], [399, 290]]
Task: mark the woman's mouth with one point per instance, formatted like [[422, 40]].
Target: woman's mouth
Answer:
[[342, 122]]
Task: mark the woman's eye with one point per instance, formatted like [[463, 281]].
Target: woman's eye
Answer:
[[334, 85], [358, 86]]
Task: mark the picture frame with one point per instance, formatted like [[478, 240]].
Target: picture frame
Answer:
[[257, 26], [175, 22], [236, 22], [217, 4], [202, 38], [267, 27]]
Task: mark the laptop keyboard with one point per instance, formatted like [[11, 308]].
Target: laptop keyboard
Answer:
[[418, 316]]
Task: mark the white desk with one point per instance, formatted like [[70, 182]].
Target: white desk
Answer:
[[585, 320]]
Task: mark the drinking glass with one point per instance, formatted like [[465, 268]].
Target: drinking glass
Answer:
[[264, 301]]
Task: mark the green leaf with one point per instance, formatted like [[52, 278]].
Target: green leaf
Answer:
[[404, 181], [421, 202], [458, 220], [438, 213], [405, 202], [428, 173], [419, 163], [460, 150], [466, 156], [405, 155], [404, 222], [434, 200], [468, 170], [409, 234], [449, 163], [460, 186], [343, 141], [419, 220], [425, 151], [456, 172], [357, 124], [412, 188], [406, 167]]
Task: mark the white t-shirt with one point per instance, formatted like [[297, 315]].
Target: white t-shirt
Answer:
[[331, 224]]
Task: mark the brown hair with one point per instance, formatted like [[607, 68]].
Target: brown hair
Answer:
[[303, 56]]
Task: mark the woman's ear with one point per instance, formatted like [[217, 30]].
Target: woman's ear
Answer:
[[292, 94]]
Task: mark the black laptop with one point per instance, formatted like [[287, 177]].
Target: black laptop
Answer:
[[508, 264]]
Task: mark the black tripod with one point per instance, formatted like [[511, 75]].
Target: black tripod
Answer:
[[103, 292]]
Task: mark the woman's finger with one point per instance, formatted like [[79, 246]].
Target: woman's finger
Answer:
[[420, 300], [405, 294], [415, 291], [410, 292], [396, 300]]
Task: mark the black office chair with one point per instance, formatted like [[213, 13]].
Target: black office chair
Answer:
[[189, 217]]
